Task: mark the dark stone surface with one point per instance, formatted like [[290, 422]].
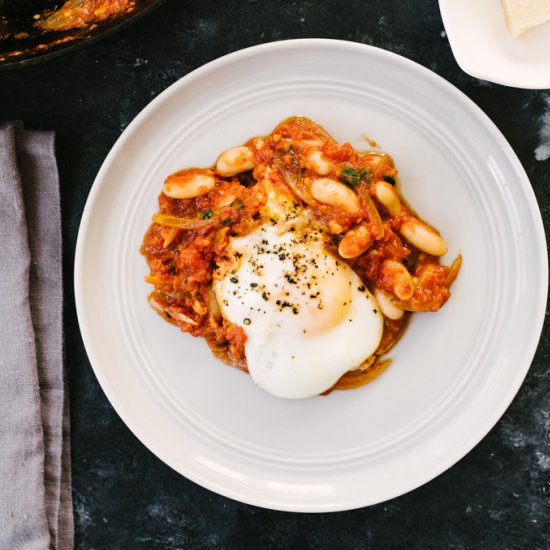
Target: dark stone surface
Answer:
[[496, 497]]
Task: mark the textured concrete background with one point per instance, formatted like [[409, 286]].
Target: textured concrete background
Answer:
[[496, 497]]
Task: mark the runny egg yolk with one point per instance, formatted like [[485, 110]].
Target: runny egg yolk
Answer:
[[306, 314]]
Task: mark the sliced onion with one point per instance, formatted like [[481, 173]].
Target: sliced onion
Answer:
[[181, 223], [292, 181], [453, 271], [173, 313], [178, 316], [374, 220]]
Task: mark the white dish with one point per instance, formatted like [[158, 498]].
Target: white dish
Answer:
[[454, 372], [484, 47]]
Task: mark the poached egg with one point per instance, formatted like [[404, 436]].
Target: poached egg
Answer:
[[307, 316]]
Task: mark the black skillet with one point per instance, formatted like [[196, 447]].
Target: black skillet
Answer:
[[24, 38]]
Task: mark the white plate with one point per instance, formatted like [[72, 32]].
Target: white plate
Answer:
[[454, 372], [484, 48]]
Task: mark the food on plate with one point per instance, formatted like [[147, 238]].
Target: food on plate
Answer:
[[524, 15], [296, 259]]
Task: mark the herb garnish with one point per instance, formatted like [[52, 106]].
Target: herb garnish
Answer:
[[352, 177], [207, 214], [294, 161], [238, 205]]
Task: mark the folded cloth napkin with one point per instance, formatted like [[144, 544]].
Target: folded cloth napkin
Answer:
[[35, 477]]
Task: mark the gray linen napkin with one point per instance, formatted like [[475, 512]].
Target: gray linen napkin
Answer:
[[35, 487]]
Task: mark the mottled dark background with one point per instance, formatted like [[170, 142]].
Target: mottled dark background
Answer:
[[496, 497]]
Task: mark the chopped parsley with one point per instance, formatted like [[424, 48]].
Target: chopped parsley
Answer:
[[238, 205], [352, 177], [207, 214]]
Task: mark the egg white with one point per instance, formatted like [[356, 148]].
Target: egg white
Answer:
[[306, 314]]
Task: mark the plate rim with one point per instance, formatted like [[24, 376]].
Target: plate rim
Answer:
[[212, 66]]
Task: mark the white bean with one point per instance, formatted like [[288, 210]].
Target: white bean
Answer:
[[398, 278], [334, 193], [423, 237], [356, 241], [387, 195], [335, 227], [189, 184], [234, 161], [387, 306], [318, 163]]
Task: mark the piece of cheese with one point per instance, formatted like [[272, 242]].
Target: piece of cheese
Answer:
[[523, 15]]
